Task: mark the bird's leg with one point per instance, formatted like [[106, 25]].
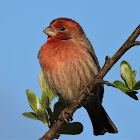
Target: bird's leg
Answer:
[[65, 111], [86, 90], [62, 115]]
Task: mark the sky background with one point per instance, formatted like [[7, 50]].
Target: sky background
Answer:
[[107, 24]]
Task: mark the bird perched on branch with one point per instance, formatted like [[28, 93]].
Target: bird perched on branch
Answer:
[[69, 63]]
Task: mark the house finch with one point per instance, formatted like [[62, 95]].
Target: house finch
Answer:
[[69, 63]]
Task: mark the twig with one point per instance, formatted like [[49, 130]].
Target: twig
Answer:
[[101, 81], [136, 43], [51, 134]]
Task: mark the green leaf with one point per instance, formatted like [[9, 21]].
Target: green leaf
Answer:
[[45, 90], [33, 100], [51, 95], [134, 74], [39, 100], [132, 94], [126, 73], [43, 87], [44, 100], [120, 85], [41, 113], [58, 107], [71, 129], [137, 86], [30, 115], [134, 82]]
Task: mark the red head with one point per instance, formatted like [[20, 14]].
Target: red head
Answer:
[[63, 29]]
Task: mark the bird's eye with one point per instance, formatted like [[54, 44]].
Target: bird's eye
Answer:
[[62, 28]]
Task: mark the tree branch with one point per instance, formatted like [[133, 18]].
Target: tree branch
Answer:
[[101, 81], [130, 42], [136, 43], [126, 46]]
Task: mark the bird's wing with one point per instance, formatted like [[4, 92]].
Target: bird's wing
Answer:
[[93, 55]]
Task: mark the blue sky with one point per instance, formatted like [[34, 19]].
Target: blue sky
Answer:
[[107, 24]]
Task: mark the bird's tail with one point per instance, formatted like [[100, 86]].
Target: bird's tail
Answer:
[[101, 121]]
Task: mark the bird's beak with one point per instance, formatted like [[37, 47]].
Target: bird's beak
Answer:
[[50, 31]]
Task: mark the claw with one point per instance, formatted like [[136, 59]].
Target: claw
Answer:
[[62, 115], [86, 90]]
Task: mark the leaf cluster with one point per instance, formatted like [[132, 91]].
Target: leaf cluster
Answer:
[[43, 112], [130, 85]]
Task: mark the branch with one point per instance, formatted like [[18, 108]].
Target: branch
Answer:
[[130, 42], [101, 81], [136, 43], [126, 46]]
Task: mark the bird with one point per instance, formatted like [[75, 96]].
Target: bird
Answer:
[[69, 62]]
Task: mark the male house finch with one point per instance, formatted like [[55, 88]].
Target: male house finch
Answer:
[[69, 63]]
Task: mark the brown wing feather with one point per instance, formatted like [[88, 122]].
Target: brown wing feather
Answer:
[[93, 55]]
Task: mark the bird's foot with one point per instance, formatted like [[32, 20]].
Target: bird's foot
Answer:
[[62, 116], [75, 102], [86, 90]]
